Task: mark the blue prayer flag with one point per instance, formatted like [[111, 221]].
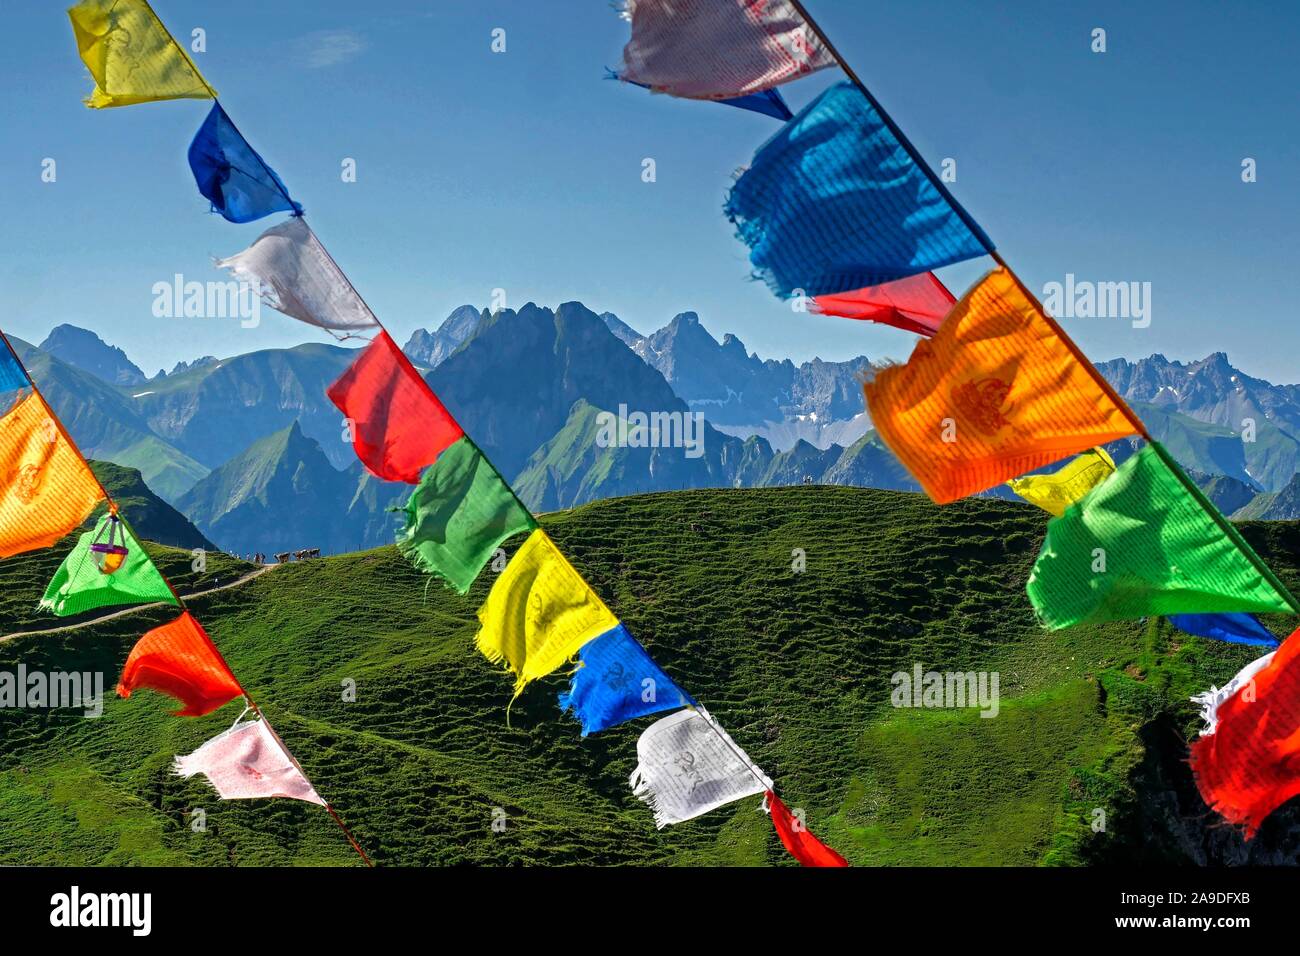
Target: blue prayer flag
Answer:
[[835, 202], [11, 373], [1233, 627], [768, 102], [617, 681], [232, 176]]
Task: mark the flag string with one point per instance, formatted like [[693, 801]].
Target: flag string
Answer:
[[180, 601]]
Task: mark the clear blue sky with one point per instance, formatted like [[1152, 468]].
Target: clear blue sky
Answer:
[[522, 170]]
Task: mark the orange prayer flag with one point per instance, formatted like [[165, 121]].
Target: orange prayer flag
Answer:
[[996, 393], [179, 659], [46, 489]]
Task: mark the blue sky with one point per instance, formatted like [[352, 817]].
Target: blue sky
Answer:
[[522, 170]]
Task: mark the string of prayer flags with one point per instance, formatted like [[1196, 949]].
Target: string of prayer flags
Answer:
[[247, 762], [294, 274], [1248, 763], [1233, 628], [179, 659], [458, 516], [232, 176], [131, 56], [617, 681], [1146, 542], [1057, 491], [833, 202], [398, 425], [798, 839], [915, 303], [46, 489], [995, 394], [768, 102], [718, 49], [687, 765], [539, 612], [82, 583]]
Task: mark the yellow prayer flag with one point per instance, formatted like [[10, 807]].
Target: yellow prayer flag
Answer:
[[996, 393], [46, 490], [539, 612], [132, 56], [1057, 491]]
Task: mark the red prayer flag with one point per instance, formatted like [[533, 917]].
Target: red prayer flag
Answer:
[[1247, 762], [798, 839], [180, 659], [915, 304], [398, 424]]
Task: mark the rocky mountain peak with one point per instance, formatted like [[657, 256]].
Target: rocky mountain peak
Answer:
[[83, 349]]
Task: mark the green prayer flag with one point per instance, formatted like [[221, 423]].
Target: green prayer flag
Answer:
[[1147, 542], [79, 585], [458, 515]]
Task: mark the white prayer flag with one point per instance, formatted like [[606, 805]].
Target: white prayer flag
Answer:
[[247, 762], [688, 765], [293, 274], [718, 49], [1213, 698]]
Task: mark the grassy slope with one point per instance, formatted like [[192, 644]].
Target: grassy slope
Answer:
[[796, 666]]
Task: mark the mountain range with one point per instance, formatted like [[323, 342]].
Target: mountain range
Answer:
[[250, 448]]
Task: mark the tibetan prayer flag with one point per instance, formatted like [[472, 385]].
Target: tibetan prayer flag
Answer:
[[617, 681], [179, 659], [1249, 764], [798, 839], [398, 425], [1211, 700], [539, 612], [132, 56], [1057, 491], [718, 49], [232, 176], [458, 516], [769, 102], [79, 585], [687, 765], [996, 393], [833, 202], [46, 489], [1146, 542], [914, 304], [293, 274], [1233, 628], [12, 375], [248, 762]]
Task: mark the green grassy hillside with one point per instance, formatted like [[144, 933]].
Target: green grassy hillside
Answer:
[[795, 665]]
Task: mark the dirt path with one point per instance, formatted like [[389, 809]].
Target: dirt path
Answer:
[[141, 607]]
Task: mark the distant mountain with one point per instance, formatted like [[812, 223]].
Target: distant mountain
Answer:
[[85, 350], [212, 411], [1283, 505], [107, 425], [574, 466], [1227, 494], [429, 349], [190, 366], [818, 402], [151, 517], [622, 331], [1214, 392], [280, 493], [514, 384]]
